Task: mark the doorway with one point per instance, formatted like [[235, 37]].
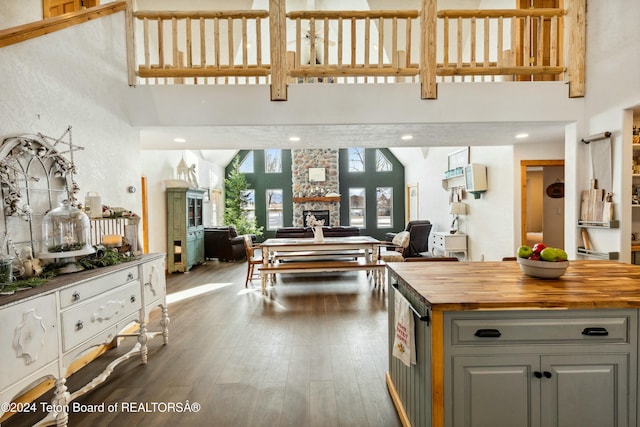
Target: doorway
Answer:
[[542, 202]]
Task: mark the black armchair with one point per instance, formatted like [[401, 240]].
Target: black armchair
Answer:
[[419, 231]]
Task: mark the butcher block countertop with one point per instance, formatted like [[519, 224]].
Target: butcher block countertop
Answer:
[[453, 286]]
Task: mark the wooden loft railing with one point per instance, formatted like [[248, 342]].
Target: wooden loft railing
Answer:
[[395, 46], [428, 46]]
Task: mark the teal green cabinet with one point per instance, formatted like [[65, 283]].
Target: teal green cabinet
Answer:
[[185, 230]]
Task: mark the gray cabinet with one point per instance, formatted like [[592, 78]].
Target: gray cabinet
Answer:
[[534, 369], [185, 229]]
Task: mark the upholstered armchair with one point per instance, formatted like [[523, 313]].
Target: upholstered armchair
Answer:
[[223, 242], [419, 231]]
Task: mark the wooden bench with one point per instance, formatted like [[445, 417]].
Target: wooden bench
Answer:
[[377, 267]]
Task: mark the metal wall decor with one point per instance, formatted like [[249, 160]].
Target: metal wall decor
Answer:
[[35, 176]]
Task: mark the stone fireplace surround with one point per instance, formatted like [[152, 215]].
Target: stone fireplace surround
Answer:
[[312, 195]]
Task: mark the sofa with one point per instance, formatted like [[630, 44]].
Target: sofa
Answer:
[[223, 243], [327, 231]]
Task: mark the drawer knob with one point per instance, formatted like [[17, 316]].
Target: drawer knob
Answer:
[[75, 296], [488, 333], [130, 276], [79, 325], [537, 374], [595, 332], [133, 298], [546, 374]]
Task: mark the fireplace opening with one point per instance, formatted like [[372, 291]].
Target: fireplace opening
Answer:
[[319, 214]]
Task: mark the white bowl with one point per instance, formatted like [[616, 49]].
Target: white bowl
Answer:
[[543, 269]]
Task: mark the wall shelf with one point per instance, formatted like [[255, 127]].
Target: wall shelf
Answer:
[[316, 199], [599, 255], [594, 224]]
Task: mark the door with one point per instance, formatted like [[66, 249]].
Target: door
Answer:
[[548, 213], [532, 37], [52, 8], [587, 390], [496, 391]]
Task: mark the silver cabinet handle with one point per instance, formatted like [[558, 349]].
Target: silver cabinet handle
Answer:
[[75, 296], [130, 276], [79, 325]]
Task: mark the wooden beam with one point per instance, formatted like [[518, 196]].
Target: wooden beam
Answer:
[[576, 47], [278, 34], [498, 71], [352, 14], [206, 14], [428, 25], [32, 30], [498, 13], [131, 43]]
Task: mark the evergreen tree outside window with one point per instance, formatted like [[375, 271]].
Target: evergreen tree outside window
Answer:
[[246, 166], [357, 207], [384, 207], [273, 160], [275, 217], [382, 163], [240, 202], [356, 160]]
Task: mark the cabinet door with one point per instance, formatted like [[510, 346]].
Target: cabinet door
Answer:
[[495, 391], [585, 390]]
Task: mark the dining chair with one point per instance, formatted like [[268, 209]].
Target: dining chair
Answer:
[[252, 258]]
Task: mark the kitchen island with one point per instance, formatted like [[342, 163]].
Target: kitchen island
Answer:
[[495, 347]]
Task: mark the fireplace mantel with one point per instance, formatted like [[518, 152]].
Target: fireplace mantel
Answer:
[[316, 199]]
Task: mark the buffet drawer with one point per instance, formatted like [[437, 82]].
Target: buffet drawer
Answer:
[[154, 281], [81, 292], [83, 321], [558, 330]]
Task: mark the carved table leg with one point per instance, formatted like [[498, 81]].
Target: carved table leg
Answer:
[[143, 338], [164, 322]]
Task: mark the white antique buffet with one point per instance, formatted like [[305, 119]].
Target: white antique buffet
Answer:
[[43, 330]]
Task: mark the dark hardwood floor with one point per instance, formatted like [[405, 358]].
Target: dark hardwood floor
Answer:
[[312, 353]]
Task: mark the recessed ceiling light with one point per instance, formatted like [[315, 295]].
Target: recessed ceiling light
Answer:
[[522, 135], [406, 137], [294, 138], [180, 140]]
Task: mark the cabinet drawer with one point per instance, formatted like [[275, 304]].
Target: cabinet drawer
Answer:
[[557, 330], [85, 320], [28, 338], [82, 292], [154, 281]]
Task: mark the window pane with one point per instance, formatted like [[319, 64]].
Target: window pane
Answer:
[[246, 165], [273, 160], [382, 163], [357, 207], [356, 159], [384, 206], [274, 209], [249, 203]]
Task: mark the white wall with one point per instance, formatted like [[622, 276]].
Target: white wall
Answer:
[[77, 77], [489, 220], [612, 86], [160, 165]]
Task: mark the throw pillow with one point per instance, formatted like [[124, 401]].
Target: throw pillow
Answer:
[[401, 239]]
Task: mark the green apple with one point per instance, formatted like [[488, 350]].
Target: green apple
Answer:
[[525, 251], [553, 254]]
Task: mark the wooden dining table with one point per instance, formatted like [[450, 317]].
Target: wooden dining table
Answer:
[[331, 254]]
